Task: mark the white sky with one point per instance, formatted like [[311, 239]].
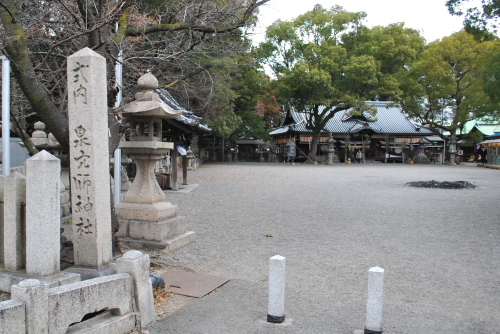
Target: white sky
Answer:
[[430, 17]]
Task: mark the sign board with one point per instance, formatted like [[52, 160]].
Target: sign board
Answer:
[[460, 152], [181, 149]]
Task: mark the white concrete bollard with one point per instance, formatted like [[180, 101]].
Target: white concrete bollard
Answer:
[[276, 308], [374, 301]]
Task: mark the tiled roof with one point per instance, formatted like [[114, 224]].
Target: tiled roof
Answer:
[[388, 120], [187, 117]]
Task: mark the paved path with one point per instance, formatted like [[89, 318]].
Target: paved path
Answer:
[[439, 248]]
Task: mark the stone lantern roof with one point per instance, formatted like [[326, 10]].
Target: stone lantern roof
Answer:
[[147, 102]]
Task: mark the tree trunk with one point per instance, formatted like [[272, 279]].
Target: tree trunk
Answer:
[[311, 157], [453, 141], [17, 50]]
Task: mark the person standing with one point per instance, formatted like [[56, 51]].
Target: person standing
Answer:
[[359, 156], [483, 154]]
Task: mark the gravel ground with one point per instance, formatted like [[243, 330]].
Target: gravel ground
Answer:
[[439, 247]]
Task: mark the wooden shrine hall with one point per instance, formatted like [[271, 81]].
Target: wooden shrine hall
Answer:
[[389, 136]]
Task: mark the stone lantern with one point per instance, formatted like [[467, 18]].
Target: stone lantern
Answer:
[[190, 159], [330, 149], [49, 143], [146, 219], [146, 147]]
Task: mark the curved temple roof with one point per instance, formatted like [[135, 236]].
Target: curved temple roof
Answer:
[[187, 117], [389, 119]]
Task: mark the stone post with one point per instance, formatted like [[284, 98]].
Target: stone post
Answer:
[[89, 164], [136, 265], [276, 307], [13, 316], [42, 214], [15, 223], [173, 180], [374, 301], [35, 295], [184, 170]]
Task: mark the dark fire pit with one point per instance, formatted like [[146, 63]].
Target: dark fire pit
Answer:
[[442, 185]]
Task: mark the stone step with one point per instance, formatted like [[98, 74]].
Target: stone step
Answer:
[[165, 246]]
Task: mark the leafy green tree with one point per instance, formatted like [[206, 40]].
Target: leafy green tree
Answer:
[[234, 102], [477, 20], [225, 124], [491, 78], [326, 61], [444, 88], [249, 85]]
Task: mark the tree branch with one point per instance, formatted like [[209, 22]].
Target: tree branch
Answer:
[[139, 31], [17, 50], [192, 74], [9, 12]]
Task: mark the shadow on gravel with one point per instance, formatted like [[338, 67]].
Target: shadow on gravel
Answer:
[[442, 185]]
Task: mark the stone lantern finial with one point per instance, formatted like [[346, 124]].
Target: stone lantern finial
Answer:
[[39, 130], [147, 85]]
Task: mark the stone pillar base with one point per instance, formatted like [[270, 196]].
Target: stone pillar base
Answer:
[[152, 226], [146, 212], [422, 159], [8, 278]]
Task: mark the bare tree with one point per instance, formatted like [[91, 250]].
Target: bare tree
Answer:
[[172, 39]]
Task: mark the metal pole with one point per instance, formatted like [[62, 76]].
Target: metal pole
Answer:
[[118, 152], [118, 175], [5, 116], [119, 78]]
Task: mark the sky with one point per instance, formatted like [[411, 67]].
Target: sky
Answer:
[[430, 17]]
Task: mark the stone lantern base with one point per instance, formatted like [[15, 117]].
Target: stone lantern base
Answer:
[[152, 226]]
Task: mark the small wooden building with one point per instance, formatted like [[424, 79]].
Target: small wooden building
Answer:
[[492, 145]]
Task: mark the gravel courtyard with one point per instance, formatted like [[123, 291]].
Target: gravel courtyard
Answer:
[[439, 247]]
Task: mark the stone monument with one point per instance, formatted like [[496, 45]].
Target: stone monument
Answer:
[[89, 163], [147, 220]]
